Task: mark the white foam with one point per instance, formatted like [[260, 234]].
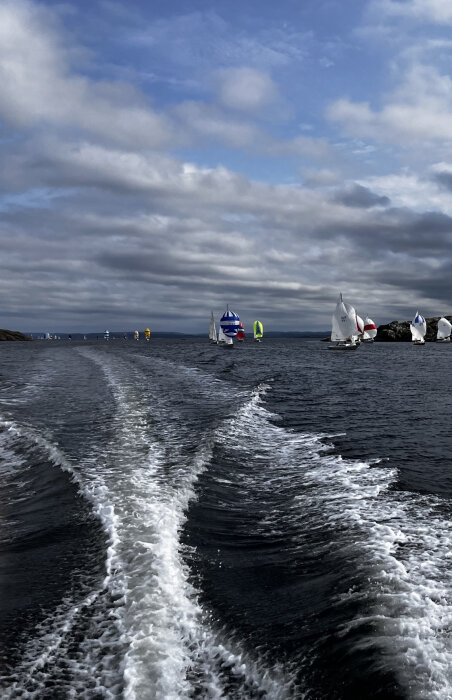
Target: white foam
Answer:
[[404, 541], [401, 543], [53, 635], [168, 634]]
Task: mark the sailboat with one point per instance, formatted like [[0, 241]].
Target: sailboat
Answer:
[[212, 331], [258, 331], [370, 330], [360, 326], [241, 333], [222, 339], [229, 325], [147, 333], [418, 328], [136, 335], [444, 331], [107, 335], [344, 330]]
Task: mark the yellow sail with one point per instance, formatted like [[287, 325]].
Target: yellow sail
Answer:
[[147, 333], [258, 329]]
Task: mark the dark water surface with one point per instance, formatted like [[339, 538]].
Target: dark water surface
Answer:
[[180, 520]]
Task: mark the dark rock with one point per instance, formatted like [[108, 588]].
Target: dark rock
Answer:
[[13, 335], [399, 331]]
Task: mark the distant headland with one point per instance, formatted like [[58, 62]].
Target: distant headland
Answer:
[[13, 335], [393, 332], [399, 331]]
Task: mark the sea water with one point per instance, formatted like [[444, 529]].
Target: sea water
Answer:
[[181, 520]]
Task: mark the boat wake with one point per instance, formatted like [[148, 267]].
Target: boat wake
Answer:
[[143, 630], [142, 633], [391, 549]]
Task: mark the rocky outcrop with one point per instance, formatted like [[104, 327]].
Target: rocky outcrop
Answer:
[[399, 331], [13, 335]]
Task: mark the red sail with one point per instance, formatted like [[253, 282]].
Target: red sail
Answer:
[[241, 332]]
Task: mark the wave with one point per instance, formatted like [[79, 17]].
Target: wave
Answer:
[[143, 631], [395, 598], [56, 651], [173, 649]]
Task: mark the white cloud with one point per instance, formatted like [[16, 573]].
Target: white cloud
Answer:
[[39, 88], [322, 177], [206, 123], [407, 189], [438, 11], [417, 113], [246, 89], [199, 40]]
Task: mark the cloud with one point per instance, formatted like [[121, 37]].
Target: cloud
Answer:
[[39, 87], [437, 11], [206, 123], [200, 40], [103, 226], [441, 174], [320, 177], [246, 89], [362, 197], [129, 228], [417, 113]]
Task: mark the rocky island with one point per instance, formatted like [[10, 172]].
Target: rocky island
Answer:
[[398, 331], [13, 335]]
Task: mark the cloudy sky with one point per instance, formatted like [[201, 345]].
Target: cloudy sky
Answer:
[[162, 159]]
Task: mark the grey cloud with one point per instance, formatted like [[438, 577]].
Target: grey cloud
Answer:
[[444, 179], [362, 197], [100, 227], [397, 230], [431, 283], [167, 236]]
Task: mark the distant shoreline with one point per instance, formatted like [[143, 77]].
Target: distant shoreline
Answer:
[[118, 335], [13, 335]]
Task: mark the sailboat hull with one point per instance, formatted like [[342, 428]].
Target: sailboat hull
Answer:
[[343, 346], [418, 342], [443, 340]]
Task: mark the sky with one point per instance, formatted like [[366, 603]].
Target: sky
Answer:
[[160, 160]]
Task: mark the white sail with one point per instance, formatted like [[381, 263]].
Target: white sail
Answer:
[[416, 333], [221, 336], [370, 330], [343, 321], [360, 324], [212, 329], [418, 327], [444, 329]]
